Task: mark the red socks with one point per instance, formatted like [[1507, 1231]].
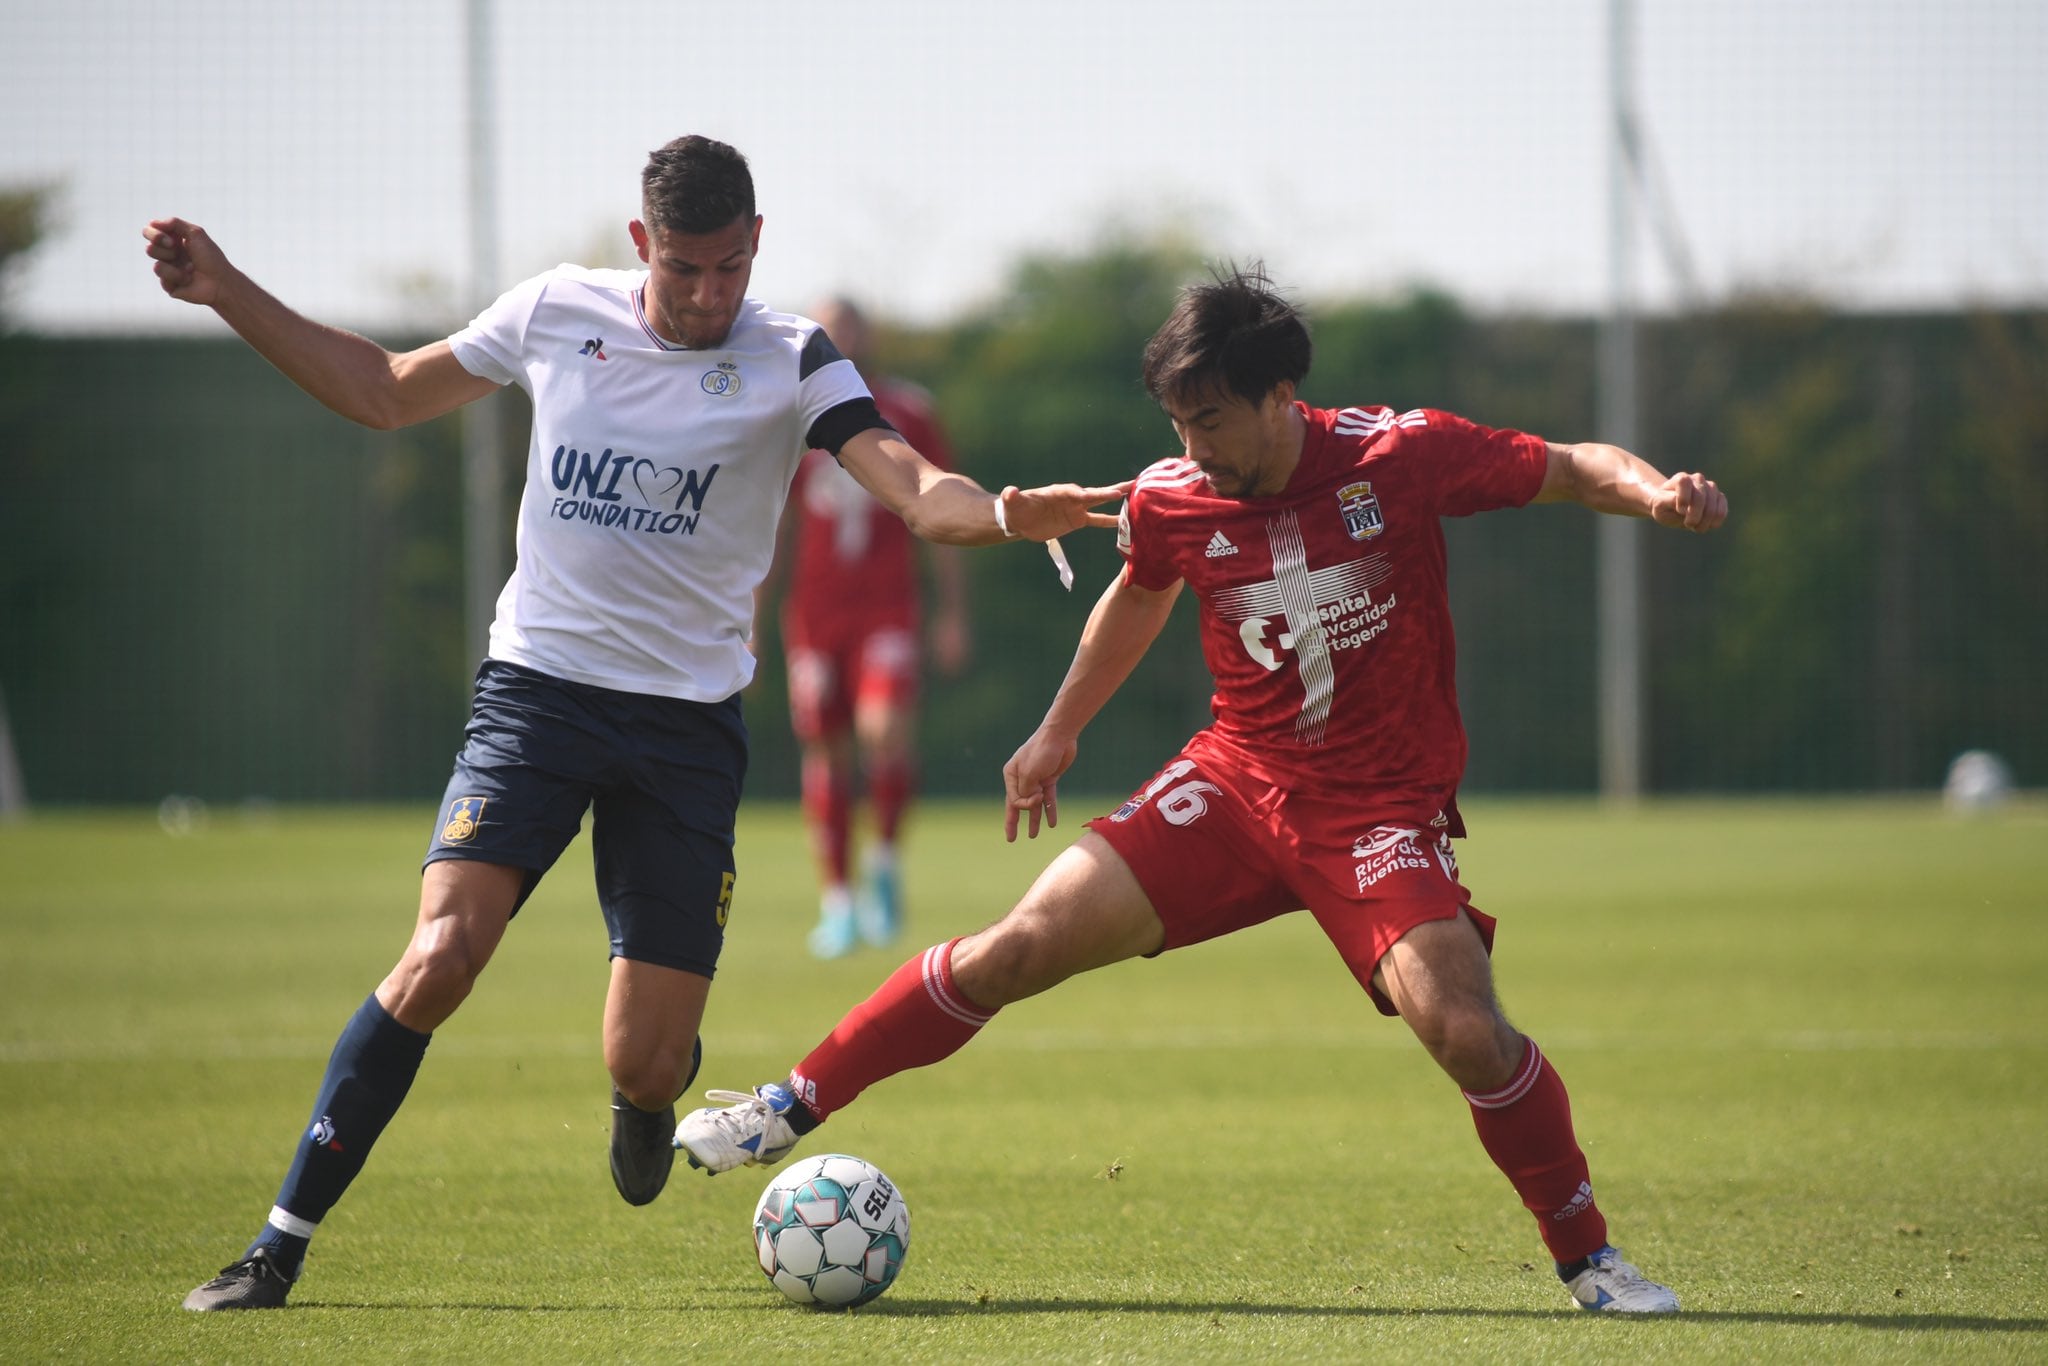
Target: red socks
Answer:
[[828, 809], [1526, 1128], [919, 1017], [916, 1018], [889, 788]]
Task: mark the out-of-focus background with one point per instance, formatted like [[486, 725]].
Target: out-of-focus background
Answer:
[[1801, 247]]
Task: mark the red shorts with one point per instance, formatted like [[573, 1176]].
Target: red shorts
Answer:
[[1216, 853], [829, 679]]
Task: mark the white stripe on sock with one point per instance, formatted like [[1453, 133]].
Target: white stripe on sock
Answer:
[[284, 1221], [1524, 1081], [935, 987]]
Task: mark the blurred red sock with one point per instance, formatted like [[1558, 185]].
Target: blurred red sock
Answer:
[[828, 810], [889, 789]]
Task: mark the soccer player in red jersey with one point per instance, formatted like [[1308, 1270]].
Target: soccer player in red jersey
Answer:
[[852, 635], [1329, 778]]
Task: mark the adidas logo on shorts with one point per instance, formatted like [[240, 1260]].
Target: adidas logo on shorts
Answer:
[[1219, 546]]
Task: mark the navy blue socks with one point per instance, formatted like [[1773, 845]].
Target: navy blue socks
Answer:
[[371, 1069]]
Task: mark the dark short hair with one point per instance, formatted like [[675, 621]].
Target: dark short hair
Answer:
[[694, 185], [1235, 334]]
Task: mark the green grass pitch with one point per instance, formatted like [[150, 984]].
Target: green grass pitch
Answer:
[[1805, 1041]]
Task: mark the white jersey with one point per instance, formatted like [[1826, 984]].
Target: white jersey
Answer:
[[654, 482]]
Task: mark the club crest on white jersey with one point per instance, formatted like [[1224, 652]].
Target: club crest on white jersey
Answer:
[[721, 381]]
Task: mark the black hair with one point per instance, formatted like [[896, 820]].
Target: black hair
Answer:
[[1236, 334], [695, 185]]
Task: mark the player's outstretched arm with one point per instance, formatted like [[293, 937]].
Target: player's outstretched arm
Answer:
[[948, 507], [1125, 622], [1610, 479], [350, 374]]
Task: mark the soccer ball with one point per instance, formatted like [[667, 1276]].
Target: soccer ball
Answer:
[[831, 1231]]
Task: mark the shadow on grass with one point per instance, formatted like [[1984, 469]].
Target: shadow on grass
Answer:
[[1967, 1323], [944, 1309]]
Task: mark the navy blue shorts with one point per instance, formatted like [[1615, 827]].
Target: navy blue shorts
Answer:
[[661, 776]]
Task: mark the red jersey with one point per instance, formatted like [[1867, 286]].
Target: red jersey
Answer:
[[855, 561], [1325, 615]]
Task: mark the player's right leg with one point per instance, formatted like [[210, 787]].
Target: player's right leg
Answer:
[[464, 908], [521, 784], [1086, 910]]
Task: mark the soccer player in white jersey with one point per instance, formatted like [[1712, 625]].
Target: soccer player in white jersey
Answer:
[[1328, 781], [670, 410]]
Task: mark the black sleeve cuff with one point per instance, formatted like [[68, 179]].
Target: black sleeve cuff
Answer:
[[842, 422]]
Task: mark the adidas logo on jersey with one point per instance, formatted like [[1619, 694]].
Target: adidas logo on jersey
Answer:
[[1219, 546]]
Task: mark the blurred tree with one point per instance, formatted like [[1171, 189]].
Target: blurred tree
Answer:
[[24, 221], [26, 215], [289, 584]]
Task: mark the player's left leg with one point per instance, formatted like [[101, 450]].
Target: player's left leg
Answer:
[[827, 791], [821, 717], [661, 844], [1438, 977], [652, 1050], [885, 733], [884, 726]]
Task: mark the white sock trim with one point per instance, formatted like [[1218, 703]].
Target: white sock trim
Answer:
[[284, 1221]]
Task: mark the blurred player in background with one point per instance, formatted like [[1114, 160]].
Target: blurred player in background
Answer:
[[669, 413], [853, 637], [1329, 779]]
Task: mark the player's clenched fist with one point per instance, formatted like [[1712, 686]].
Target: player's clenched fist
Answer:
[[188, 265], [1691, 501]]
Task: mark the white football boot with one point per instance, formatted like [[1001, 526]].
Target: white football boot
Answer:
[[748, 1131], [1611, 1286]]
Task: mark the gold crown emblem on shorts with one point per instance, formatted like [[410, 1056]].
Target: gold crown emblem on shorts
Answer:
[[463, 815]]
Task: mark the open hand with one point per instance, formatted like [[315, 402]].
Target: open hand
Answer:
[[1041, 514]]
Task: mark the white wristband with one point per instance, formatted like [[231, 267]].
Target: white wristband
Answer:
[[1003, 521]]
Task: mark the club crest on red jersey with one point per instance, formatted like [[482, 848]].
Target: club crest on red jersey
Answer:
[[1362, 516]]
